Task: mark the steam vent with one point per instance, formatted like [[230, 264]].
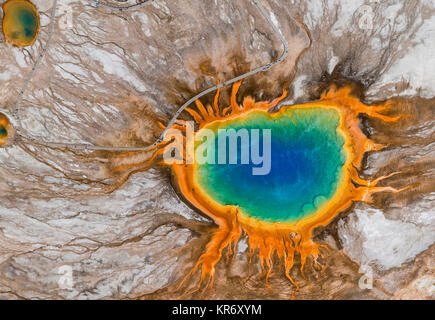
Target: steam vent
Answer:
[[20, 22]]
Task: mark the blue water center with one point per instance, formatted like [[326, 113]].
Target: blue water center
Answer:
[[306, 164]]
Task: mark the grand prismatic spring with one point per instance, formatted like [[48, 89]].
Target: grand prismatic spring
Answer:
[[220, 149], [316, 151], [20, 22]]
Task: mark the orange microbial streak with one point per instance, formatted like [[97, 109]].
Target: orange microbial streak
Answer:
[[20, 22], [284, 239]]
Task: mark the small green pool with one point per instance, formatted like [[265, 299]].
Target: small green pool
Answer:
[[20, 22]]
